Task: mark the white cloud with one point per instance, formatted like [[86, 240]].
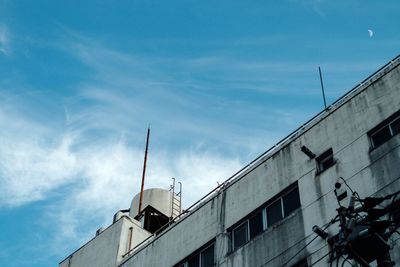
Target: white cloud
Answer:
[[32, 161], [88, 181], [111, 177], [202, 171], [35, 160], [29, 170]]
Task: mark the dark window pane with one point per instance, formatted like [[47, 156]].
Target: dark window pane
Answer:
[[325, 160], [291, 201], [240, 235], [274, 212], [256, 225], [395, 126], [207, 257], [194, 262], [381, 136], [302, 263]]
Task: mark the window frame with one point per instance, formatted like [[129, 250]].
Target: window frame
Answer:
[[246, 222], [375, 133], [388, 122], [263, 209], [324, 157], [197, 253], [266, 213], [251, 218], [202, 253], [283, 202]]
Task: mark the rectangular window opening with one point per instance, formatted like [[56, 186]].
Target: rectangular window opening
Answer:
[[325, 160], [385, 130], [203, 257], [194, 262], [291, 201], [207, 257], [381, 136], [274, 212], [240, 236], [256, 224]]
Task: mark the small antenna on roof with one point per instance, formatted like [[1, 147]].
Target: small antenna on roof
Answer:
[[322, 85], [144, 170]]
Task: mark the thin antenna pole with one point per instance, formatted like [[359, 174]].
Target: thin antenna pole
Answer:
[[144, 170], [322, 85]]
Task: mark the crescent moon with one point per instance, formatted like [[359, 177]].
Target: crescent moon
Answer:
[[371, 33]]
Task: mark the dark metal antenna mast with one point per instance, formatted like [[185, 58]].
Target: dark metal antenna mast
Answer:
[[144, 170], [322, 85]]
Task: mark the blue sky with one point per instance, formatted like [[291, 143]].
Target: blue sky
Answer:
[[218, 81]]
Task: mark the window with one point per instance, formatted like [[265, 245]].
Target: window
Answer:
[[194, 262], [203, 257], [274, 212], [283, 206], [240, 235], [207, 257], [256, 224], [291, 201], [385, 130], [301, 263], [325, 160], [248, 229], [267, 215], [381, 136]]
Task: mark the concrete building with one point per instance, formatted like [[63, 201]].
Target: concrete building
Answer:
[[264, 215]]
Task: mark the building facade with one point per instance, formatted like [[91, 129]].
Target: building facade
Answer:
[[265, 214]]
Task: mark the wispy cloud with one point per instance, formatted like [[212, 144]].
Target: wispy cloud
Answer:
[[33, 160], [88, 180], [4, 40], [36, 160]]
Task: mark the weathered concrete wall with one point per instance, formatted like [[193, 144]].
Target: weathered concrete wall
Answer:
[[107, 249], [100, 251], [130, 228]]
